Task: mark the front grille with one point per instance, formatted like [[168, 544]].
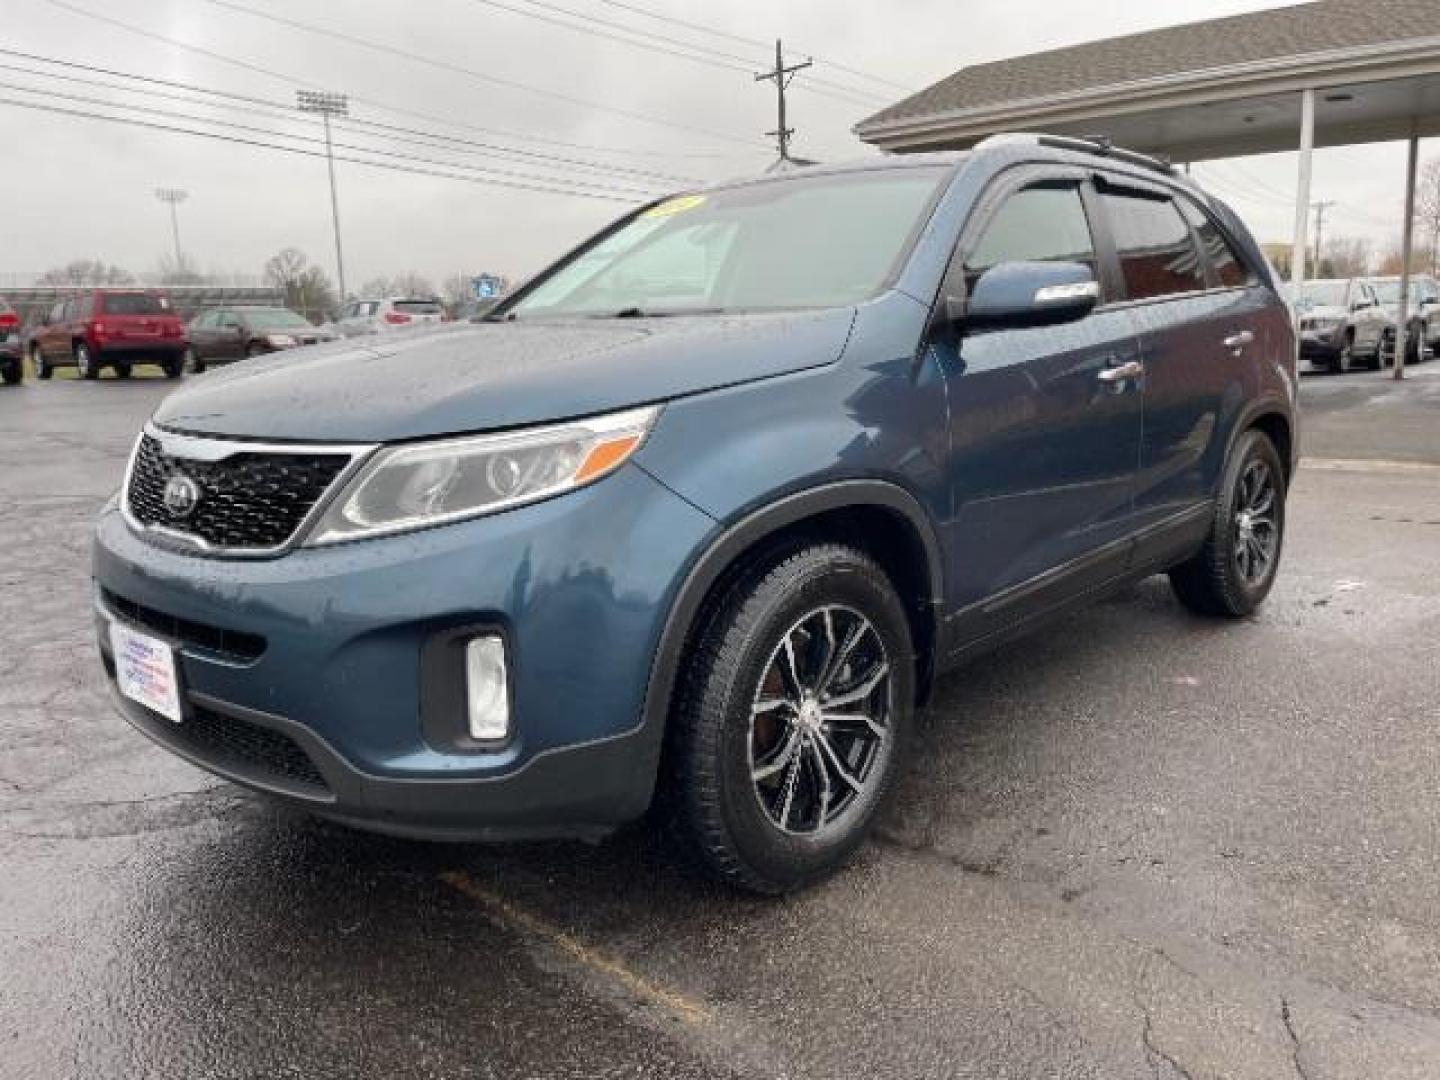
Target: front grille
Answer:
[[248, 500], [229, 643], [245, 748]]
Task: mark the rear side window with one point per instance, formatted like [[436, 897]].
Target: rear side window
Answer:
[[419, 307], [1157, 255], [1044, 223], [1230, 270], [134, 304]]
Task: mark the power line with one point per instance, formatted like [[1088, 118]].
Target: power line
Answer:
[[556, 185], [279, 110], [645, 39], [742, 39], [241, 141], [304, 83], [470, 73]]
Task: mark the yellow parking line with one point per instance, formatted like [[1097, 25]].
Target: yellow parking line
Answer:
[[514, 918]]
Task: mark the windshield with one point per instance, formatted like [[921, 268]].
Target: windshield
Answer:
[[275, 319], [1322, 294], [809, 242], [133, 304], [1389, 291]]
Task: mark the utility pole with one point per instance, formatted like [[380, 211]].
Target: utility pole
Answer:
[[328, 105], [173, 196], [1320, 208], [782, 76]]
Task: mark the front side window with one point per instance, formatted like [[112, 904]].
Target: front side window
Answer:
[[1044, 223], [1157, 255], [799, 242]]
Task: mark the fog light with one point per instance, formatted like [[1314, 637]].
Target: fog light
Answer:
[[487, 697]]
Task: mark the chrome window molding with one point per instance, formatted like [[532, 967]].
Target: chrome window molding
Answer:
[[207, 449]]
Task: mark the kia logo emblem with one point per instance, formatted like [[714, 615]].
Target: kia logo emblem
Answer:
[[181, 496]]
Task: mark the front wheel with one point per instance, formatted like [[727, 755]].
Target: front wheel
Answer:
[[13, 373], [122, 371], [37, 361], [791, 720], [1232, 574], [191, 361], [173, 368]]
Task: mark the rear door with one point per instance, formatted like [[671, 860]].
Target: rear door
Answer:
[[202, 335], [1198, 310], [229, 336], [1044, 439], [54, 336]]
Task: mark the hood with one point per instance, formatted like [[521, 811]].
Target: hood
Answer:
[[1322, 311], [480, 376]]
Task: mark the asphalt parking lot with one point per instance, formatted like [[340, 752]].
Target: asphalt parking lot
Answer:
[[1137, 845]]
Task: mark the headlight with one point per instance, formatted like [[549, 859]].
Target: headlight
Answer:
[[424, 484], [281, 341]]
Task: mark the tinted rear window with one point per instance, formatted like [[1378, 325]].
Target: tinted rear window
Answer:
[[1230, 269], [1157, 256], [419, 307], [134, 304]]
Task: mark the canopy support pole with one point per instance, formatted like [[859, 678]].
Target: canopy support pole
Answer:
[[1302, 192], [1407, 238]]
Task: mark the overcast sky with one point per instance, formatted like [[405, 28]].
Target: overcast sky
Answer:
[[76, 187]]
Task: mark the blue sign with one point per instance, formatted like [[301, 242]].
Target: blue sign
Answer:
[[487, 287]]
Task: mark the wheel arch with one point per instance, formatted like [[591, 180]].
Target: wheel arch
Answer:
[[1275, 423], [881, 518]]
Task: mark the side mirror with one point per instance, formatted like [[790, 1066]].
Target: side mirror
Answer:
[[1032, 294]]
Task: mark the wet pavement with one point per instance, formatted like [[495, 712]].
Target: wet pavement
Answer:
[[1139, 844]]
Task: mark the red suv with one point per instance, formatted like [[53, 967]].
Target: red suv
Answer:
[[119, 327]]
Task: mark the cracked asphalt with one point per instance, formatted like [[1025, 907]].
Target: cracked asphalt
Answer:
[[1139, 844]]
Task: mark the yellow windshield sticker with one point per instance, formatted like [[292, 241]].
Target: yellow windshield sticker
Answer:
[[677, 205]]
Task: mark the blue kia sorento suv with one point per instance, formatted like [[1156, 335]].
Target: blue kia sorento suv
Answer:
[[691, 523]]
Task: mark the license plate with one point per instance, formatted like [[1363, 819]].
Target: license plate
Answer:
[[145, 670]]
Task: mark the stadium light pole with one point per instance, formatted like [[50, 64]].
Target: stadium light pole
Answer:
[[327, 105], [173, 196]]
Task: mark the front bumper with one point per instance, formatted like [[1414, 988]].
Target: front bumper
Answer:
[[302, 676]]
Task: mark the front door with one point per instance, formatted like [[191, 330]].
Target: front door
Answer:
[[1044, 437]]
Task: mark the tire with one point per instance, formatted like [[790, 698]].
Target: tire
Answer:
[[1414, 351], [255, 349], [191, 362], [37, 361], [1225, 577], [1345, 358], [173, 368], [85, 362], [14, 372], [762, 787], [122, 371]]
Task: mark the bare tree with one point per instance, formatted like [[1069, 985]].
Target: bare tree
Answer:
[[411, 284], [284, 268], [1427, 212], [180, 271], [82, 272], [307, 288], [1347, 256], [1391, 262], [376, 286]]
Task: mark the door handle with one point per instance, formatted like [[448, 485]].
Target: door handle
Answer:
[[1132, 370], [1237, 342]]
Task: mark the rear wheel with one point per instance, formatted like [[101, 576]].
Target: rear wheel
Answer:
[[255, 349], [1232, 574], [122, 371], [13, 373], [791, 720], [37, 362], [1414, 349], [173, 367], [85, 362]]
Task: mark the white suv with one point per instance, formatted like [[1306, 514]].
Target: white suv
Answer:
[[362, 317]]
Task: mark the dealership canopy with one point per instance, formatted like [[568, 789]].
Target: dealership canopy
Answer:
[[1329, 73]]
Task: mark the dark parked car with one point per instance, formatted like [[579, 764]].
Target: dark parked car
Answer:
[[220, 335], [696, 519], [116, 327], [12, 357]]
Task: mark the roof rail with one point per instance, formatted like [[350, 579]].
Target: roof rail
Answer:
[[1098, 145]]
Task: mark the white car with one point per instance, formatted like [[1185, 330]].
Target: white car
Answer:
[[379, 316], [1423, 337], [1341, 324]]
